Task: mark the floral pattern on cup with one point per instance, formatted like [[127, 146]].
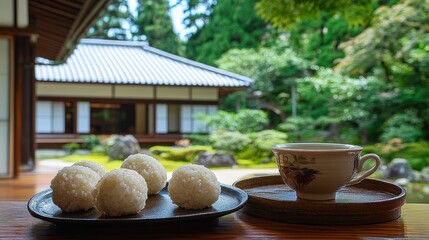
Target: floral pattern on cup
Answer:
[[293, 169]]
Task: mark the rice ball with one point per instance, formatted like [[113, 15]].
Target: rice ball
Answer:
[[96, 167], [150, 169], [72, 188], [121, 192], [193, 187]]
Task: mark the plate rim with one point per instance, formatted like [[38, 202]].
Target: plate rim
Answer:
[[241, 196], [252, 198]]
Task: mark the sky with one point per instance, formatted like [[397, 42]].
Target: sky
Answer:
[[176, 16]]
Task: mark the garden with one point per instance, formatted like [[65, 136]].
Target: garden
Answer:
[[325, 71]]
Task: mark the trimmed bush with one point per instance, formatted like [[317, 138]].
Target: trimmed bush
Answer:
[[187, 154], [232, 142]]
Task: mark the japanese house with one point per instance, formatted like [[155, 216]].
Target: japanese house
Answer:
[[124, 87]]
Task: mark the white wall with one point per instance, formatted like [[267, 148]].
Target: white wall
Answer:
[[185, 118], [189, 123], [4, 106], [83, 117], [161, 118], [43, 117], [50, 117], [7, 14], [58, 117]]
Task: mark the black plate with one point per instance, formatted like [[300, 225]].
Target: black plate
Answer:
[[159, 208]]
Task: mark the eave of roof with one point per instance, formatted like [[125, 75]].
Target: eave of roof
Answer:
[[127, 62], [60, 24]]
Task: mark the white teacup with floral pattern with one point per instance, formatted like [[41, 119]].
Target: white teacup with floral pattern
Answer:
[[316, 171]]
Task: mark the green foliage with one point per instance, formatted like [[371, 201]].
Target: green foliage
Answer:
[[318, 39], [259, 149], [406, 126], [299, 128], [187, 154], [229, 141], [394, 47], [198, 139], [112, 25], [275, 70], [244, 121], [70, 148], [90, 141], [154, 24], [232, 24], [265, 140], [417, 153], [283, 13]]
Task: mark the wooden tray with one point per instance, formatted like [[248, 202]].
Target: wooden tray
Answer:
[[371, 201]]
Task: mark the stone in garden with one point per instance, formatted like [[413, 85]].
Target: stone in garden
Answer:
[[425, 174], [399, 168], [402, 181], [216, 160], [384, 171], [123, 147], [417, 177]]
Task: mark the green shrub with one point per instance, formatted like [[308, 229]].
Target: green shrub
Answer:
[[417, 154], [187, 154], [265, 140], [198, 139], [299, 128], [406, 126], [70, 148], [261, 143], [90, 141], [100, 149], [232, 142], [245, 121]]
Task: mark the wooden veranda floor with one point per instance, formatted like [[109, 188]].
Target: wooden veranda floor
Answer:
[[24, 187]]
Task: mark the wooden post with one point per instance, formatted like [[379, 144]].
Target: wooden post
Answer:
[[24, 104]]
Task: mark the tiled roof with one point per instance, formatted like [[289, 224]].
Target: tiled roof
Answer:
[[125, 62]]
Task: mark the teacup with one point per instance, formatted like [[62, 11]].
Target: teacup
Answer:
[[316, 171]]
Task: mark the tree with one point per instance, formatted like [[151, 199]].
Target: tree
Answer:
[[338, 102], [284, 13], [232, 24], [196, 12], [114, 24], [394, 47], [318, 39], [153, 23], [275, 70]]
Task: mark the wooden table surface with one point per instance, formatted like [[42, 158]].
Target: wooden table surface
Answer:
[[17, 223]]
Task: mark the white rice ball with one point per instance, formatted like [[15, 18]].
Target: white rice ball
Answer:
[[72, 188], [150, 169], [96, 167], [193, 187], [121, 192]]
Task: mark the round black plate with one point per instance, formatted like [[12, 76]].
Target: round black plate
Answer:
[[159, 208]]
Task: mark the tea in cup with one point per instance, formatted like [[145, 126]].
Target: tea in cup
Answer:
[[316, 171]]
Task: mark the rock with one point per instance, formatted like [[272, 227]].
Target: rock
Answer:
[[384, 171], [399, 168], [216, 160], [402, 181], [123, 147], [417, 177], [425, 174]]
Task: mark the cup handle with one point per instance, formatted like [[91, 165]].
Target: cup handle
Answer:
[[362, 160]]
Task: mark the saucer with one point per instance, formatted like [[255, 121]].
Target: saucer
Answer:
[[370, 201]]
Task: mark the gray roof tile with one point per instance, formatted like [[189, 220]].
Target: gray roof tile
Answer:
[[125, 62]]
